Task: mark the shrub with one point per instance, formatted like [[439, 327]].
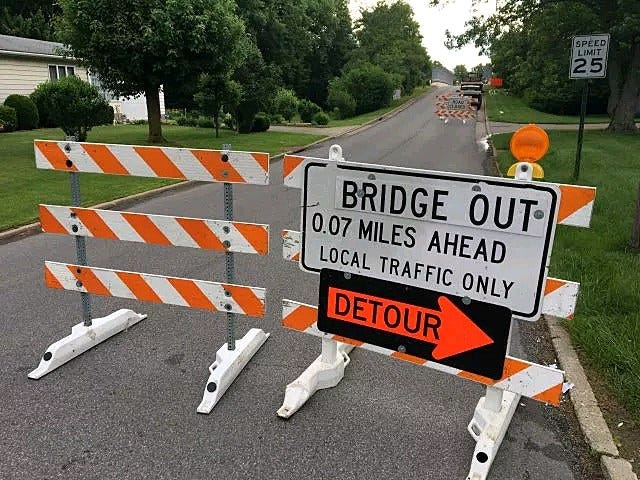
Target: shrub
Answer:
[[369, 85], [26, 111], [277, 118], [321, 118], [307, 109], [107, 115], [206, 123], [139, 121], [74, 105], [339, 99], [286, 103], [261, 122], [40, 96], [8, 119]]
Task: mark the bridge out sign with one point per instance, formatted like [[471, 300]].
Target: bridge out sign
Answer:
[[589, 56], [470, 236]]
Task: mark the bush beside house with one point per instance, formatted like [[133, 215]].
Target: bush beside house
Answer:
[[8, 119], [26, 111]]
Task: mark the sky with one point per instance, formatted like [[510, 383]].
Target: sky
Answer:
[[434, 21]]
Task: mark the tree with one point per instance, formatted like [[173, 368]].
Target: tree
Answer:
[[35, 25], [389, 36], [621, 18], [137, 45], [214, 91], [460, 73]]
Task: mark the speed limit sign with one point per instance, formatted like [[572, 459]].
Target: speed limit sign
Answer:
[[589, 56]]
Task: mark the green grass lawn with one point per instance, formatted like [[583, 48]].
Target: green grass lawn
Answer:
[[366, 117], [606, 328], [509, 108], [23, 187]]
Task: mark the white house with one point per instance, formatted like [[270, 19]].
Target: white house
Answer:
[[26, 63]]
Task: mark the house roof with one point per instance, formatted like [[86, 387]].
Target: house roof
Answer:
[[29, 46]]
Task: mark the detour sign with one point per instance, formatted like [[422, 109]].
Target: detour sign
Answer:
[[415, 321]]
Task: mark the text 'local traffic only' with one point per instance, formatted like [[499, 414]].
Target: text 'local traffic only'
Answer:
[[470, 236]]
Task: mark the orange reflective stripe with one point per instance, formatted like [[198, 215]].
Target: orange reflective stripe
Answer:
[[191, 293], [49, 223], [551, 395], [247, 300], [573, 199], [212, 161], [56, 157], [350, 341], [552, 285], [477, 378], [139, 287], [158, 161], [295, 258], [94, 223], [104, 159], [409, 358], [256, 235], [148, 230], [290, 163], [201, 233], [50, 280], [512, 366], [89, 280], [262, 159], [301, 318]]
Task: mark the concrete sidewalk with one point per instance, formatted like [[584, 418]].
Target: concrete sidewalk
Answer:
[[505, 127]]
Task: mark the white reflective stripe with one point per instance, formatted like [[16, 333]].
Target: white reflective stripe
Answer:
[[215, 293], [188, 164], [290, 244], [63, 216], [164, 290], [64, 276], [238, 242], [248, 167], [134, 164], [41, 160], [81, 159], [443, 368], [562, 301], [116, 222], [579, 218], [113, 283], [173, 231], [532, 381]]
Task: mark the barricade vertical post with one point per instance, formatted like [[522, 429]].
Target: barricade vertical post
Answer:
[[81, 247], [229, 361], [228, 256]]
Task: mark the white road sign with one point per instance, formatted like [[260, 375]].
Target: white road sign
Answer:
[[485, 238], [458, 103], [589, 56]]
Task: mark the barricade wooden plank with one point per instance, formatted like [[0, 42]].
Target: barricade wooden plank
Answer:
[[559, 299], [163, 162], [528, 379], [184, 292], [156, 229]]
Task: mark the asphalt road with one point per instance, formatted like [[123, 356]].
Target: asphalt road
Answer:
[[126, 409]]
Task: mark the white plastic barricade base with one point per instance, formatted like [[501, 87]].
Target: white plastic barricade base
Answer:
[[228, 365], [488, 427], [83, 338], [326, 371]]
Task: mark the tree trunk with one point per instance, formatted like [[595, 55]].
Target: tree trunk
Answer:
[[625, 108], [153, 114]]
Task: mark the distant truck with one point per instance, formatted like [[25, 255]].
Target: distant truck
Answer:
[[473, 89]]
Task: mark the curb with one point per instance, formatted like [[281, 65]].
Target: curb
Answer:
[[34, 228], [592, 422]]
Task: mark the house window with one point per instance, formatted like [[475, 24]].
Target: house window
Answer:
[[57, 72]]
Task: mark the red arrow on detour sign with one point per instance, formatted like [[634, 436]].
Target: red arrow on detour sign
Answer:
[[450, 329]]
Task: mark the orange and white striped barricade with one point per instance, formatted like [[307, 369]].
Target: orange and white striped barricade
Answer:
[[495, 410], [228, 236]]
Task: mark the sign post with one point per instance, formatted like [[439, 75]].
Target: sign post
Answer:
[[589, 55]]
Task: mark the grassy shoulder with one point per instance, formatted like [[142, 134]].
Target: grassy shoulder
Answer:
[[606, 328], [509, 108], [367, 117], [23, 187]]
